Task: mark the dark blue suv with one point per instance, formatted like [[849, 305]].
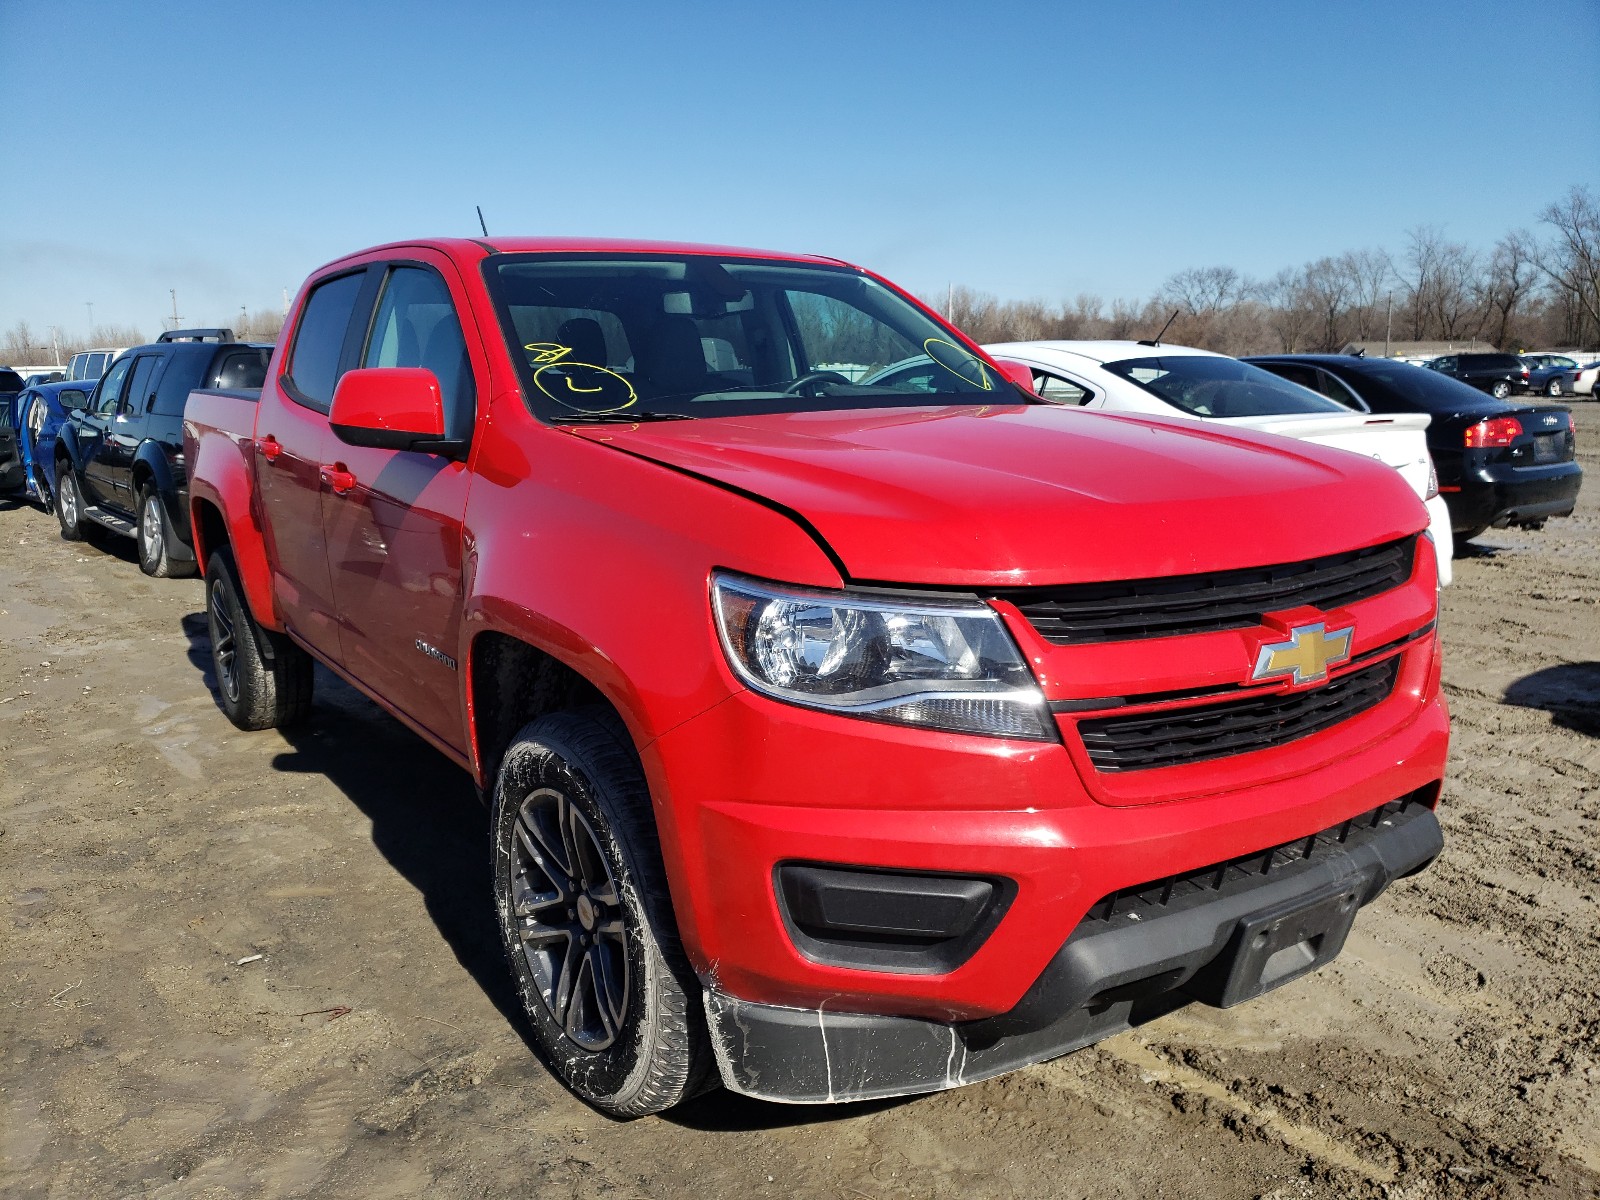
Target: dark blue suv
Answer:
[[119, 459]]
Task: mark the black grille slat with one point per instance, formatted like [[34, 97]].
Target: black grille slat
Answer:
[[1197, 733], [1182, 604], [1179, 891]]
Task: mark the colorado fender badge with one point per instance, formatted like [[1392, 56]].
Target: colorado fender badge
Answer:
[[1306, 656], [435, 653]]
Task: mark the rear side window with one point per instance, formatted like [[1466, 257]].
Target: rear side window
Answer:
[[319, 341], [240, 370], [416, 326], [1060, 391]]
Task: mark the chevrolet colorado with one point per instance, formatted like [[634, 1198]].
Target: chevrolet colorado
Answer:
[[841, 741]]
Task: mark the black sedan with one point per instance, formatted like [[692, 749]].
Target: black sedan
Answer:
[[1499, 463]]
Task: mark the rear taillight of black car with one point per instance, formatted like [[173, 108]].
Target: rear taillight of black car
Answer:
[[1495, 431]]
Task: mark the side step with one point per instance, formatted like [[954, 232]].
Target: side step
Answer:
[[111, 521]]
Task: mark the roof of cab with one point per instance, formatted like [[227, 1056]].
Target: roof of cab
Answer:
[[473, 249]]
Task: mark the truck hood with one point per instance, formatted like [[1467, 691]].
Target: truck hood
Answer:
[[1034, 494]]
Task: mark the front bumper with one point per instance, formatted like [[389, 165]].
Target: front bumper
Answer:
[[751, 784], [1257, 925]]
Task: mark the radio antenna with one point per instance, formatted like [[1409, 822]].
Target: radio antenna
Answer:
[[1156, 341], [481, 225]]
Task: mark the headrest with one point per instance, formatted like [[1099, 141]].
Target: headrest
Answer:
[[674, 360], [587, 339]]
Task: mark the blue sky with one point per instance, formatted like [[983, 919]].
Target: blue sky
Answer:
[[1024, 148]]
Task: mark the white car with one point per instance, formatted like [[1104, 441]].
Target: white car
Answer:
[[1175, 381]]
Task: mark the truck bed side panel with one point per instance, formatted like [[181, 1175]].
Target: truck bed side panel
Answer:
[[219, 446]]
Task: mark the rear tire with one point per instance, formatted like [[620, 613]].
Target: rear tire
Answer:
[[1469, 534], [586, 919], [1500, 390], [1553, 388], [69, 504], [264, 680]]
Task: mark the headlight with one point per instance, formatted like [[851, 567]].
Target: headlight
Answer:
[[911, 661]]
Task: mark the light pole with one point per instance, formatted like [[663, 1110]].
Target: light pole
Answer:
[[1388, 320], [89, 304]]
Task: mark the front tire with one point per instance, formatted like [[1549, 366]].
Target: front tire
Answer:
[[69, 504], [1500, 390], [586, 920], [263, 679]]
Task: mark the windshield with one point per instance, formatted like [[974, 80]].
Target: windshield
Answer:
[[646, 337], [1209, 385]]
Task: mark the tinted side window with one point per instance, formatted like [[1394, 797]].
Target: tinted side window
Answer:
[[111, 388], [1060, 391], [240, 370], [1338, 391], [141, 383], [319, 340], [416, 326]]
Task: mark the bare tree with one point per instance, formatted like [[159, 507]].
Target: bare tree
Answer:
[[1290, 311], [1572, 259], [1506, 284], [1203, 291], [1371, 274]]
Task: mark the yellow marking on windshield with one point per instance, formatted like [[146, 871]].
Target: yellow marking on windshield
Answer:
[[966, 358]]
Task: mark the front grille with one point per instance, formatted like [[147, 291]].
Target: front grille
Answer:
[[1203, 731], [1180, 604], [1177, 892]]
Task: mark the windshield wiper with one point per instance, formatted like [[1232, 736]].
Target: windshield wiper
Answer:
[[624, 417]]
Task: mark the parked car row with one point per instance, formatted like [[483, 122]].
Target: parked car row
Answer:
[[107, 453]]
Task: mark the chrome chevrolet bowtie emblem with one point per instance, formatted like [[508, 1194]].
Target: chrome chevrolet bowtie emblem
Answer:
[[1307, 655]]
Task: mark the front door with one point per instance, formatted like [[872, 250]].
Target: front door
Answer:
[[124, 432], [394, 535], [89, 429]]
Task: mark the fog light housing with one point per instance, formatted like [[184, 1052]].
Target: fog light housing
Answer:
[[872, 919]]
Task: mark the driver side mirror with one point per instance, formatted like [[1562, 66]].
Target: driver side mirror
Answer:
[[1020, 374], [391, 408]]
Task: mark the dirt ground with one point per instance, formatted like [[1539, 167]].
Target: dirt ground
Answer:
[[265, 965]]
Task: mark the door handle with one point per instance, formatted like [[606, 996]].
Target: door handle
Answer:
[[339, 478], [270, 448]]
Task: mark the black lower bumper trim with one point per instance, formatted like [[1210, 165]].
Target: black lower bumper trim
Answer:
[[1106, 978]]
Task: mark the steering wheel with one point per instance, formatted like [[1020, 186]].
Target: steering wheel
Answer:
[[798, 386]]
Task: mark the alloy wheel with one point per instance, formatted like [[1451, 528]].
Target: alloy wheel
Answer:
[[224, 639], [568, 917], [153, 535], [69, 497]]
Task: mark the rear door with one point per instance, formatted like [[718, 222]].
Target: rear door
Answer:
[[394, 535], [292, 444]]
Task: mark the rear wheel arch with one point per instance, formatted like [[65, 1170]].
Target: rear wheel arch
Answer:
[[210, 530]]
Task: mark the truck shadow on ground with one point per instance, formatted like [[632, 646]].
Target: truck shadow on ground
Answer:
[[428, 823], [1570, 693]]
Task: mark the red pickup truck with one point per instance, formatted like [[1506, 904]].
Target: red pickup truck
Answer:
[[842, 740]]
